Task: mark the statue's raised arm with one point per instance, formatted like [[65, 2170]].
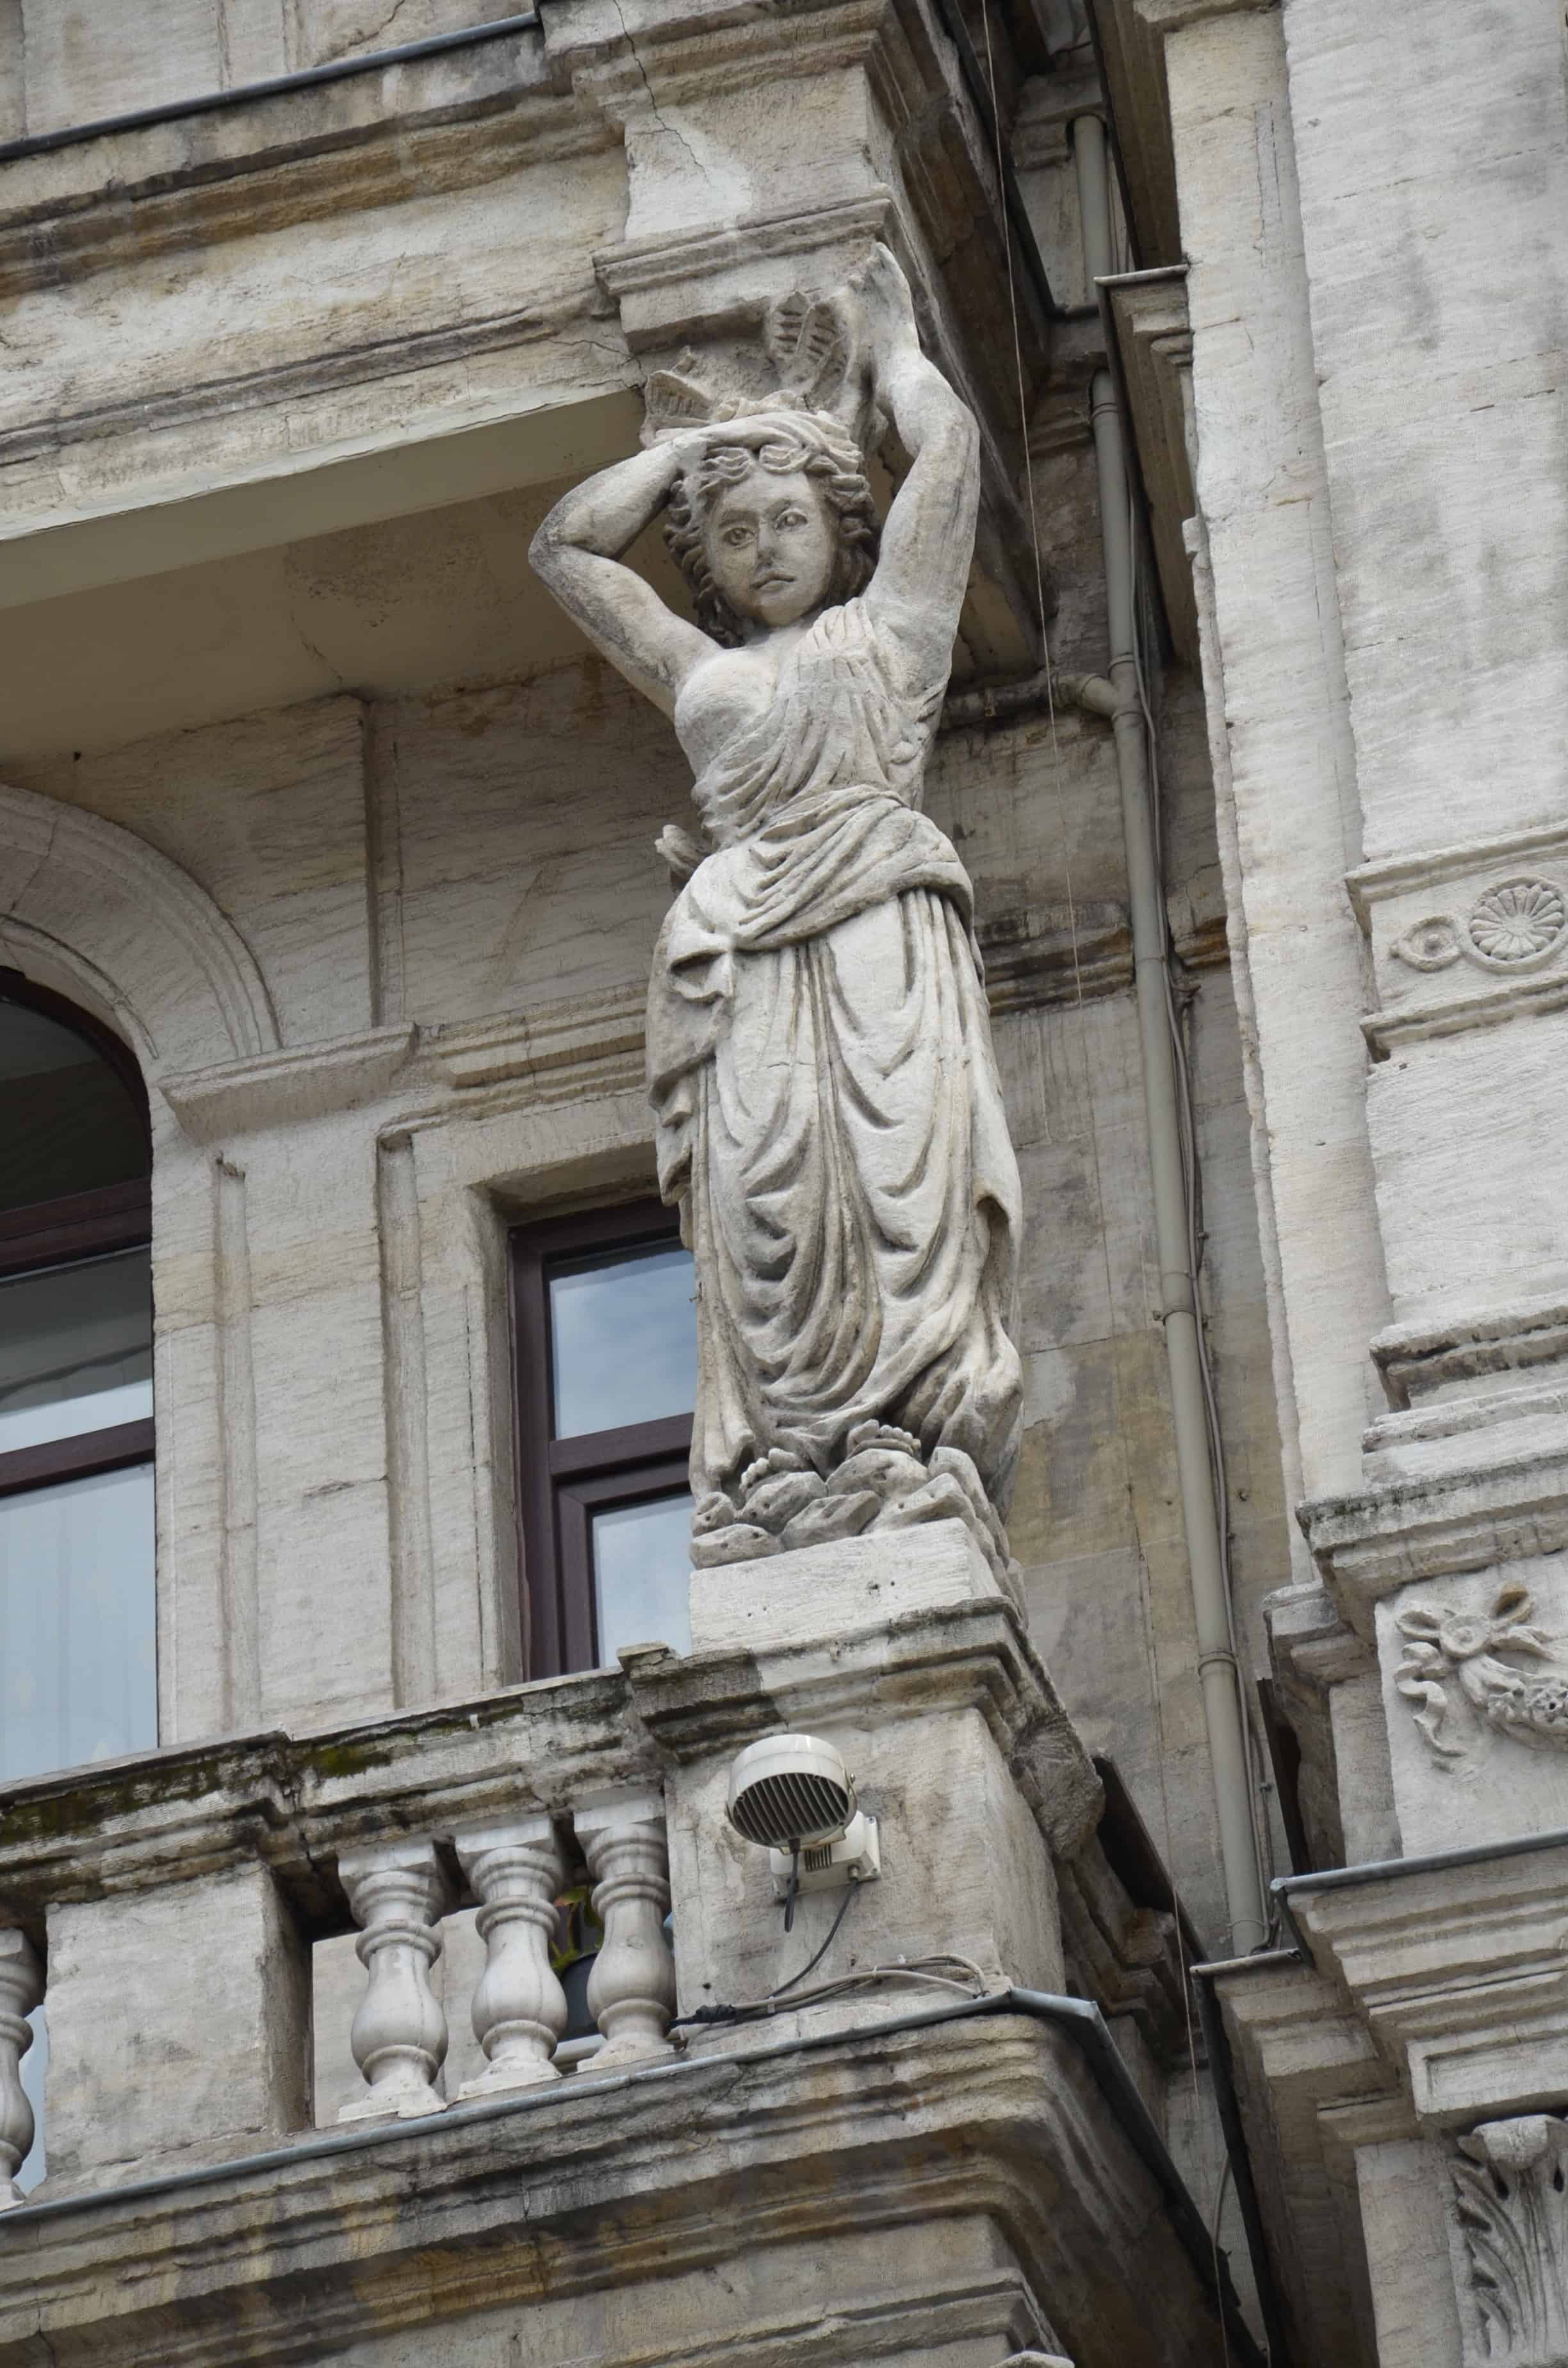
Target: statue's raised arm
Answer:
[[827, 1113], [918, 589]]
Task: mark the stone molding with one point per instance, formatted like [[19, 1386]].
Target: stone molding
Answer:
[[92, 893], [1308, 2081], [1370, 1544], [636, 266], [1417, 1359], [1152, 337], [1468, 935], [1174, 15], [594, 2182], [238, 1095], [564, 1049], [1455, 1972], [462, 117], [294, 1801], [973, 1656], [550, 315]]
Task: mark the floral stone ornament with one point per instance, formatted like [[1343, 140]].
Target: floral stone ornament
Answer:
[[1515, 925], [1517, 921], [1529, 1703]]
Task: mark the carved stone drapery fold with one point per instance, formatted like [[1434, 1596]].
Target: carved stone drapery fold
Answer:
[[1511, 2181]]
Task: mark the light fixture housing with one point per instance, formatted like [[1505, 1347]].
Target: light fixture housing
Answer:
[[794, 1797]]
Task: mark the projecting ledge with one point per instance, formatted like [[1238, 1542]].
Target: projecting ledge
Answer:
[[967, 2173]]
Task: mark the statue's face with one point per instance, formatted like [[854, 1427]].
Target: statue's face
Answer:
[[771, 544]]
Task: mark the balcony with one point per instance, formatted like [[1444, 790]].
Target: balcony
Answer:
[[171, 1909]]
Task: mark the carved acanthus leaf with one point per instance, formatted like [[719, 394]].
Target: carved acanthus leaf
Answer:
[[1511, 2184]]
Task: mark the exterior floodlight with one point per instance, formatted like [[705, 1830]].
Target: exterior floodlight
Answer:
[[793, 1797]]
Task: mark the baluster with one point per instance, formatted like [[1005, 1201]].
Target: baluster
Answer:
[[399, 2037], [631, 1990], [519, 2007], [21, 1987]]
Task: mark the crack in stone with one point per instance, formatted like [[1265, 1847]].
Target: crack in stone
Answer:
[[672, 130]]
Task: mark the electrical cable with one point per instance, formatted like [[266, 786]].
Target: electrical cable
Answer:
[[813, 1963], [917, 1969]]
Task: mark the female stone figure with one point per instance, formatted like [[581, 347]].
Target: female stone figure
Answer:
[[818, 1050]]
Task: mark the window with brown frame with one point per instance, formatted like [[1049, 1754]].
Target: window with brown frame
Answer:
[[605, 1344], [78, 1678]]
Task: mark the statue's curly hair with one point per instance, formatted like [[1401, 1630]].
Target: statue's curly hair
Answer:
[[811, 442]]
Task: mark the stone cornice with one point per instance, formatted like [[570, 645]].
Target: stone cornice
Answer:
[[297, 1801], [447, 122], [300, 1081], [294, 1801], [972, 1656], [607, 2182], [1370, 1544], [1456, 1972], [1304, 2072]]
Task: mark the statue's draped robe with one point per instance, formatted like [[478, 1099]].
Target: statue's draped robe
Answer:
[[820, 1064]]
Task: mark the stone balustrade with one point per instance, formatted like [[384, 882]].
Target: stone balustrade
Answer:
[[181, 1912], [168, 1911], [516, 1867]]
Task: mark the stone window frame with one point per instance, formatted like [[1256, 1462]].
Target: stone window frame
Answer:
[[62, 1232], [561, 1482]]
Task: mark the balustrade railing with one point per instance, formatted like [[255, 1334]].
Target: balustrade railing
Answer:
[[196, 1897], [516, 1868]]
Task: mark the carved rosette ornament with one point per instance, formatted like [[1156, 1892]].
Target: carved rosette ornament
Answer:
[[1511, 2184], [827, 1111], [1484, 1652], [1516, 925], [1518, 921]]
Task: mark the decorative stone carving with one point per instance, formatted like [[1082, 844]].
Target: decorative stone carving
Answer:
[[1431, 944], [399, 2036], [519, 2007], [1515, 925], [1518, 921], [827, 1108], [631, 1990], [21, 1987], [1530, 1705], [1512, 2187]]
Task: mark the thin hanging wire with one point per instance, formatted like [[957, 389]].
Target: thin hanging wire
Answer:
[[1034, 521]]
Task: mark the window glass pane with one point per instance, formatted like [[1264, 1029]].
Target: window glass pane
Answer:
[[76, 1350], [642, 1574], [67, 1122], [623, 1339], [79, 1674]]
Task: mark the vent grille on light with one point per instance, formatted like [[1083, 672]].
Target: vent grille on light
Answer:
[[797, 1808]]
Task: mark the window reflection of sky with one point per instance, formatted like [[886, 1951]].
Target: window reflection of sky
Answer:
[[78, 1668], [642, 1570], [624, 1335]]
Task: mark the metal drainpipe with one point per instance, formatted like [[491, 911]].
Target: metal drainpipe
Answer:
[[1218, 1673]]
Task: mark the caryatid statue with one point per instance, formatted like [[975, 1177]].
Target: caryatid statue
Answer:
[[820, 1064]]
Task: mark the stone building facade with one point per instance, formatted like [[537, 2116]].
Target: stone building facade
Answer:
[[381, 1978]]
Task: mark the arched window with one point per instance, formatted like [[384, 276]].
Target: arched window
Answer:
[[78, 1671]]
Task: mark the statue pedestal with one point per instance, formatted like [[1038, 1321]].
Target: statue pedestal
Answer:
[[792, 1598]]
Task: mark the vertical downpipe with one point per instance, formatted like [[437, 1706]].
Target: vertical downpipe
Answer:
[[1218, 1675]]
